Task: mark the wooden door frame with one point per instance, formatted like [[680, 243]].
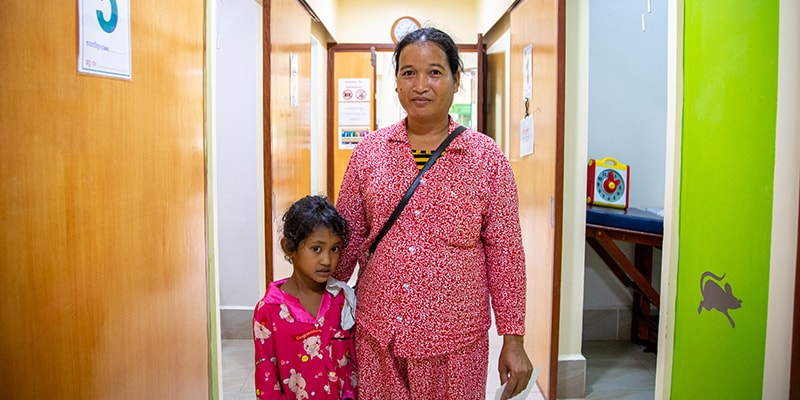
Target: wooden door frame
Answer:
[[480, 49], [558, 197], [794, 374], [267, 138]]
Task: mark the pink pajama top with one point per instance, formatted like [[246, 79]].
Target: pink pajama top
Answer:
[[456, 246], [298, 356]]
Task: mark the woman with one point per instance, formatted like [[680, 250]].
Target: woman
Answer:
[[423, 311]]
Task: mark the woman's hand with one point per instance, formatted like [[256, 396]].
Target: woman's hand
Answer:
[[514, 366]]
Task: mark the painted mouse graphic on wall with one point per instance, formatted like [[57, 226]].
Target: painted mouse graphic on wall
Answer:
[[714, 297]]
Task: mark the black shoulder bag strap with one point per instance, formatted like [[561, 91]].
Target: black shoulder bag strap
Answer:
[[406, 197]]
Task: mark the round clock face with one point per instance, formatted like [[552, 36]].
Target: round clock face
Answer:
[[402, 27], [609, 185]]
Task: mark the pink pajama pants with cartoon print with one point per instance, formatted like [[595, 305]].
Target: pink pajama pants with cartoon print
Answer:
[[460, 375]]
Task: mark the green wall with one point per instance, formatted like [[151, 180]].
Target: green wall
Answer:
[[728, 154]]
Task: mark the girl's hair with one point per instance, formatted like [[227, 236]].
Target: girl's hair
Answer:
[[309, 213], [434, 35]]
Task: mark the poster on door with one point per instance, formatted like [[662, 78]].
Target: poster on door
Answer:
[[349, 137], [104, 38], [354, 111], [354, 114], [354, 90]]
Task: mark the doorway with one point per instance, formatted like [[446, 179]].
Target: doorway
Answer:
[[627, 120]]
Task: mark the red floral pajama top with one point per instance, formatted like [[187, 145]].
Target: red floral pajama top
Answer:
[[456, 245]]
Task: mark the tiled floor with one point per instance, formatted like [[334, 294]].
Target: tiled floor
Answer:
[[238, 367], [619, 370], [615, 370]]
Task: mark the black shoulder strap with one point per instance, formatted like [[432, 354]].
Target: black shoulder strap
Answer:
[[406, 197]]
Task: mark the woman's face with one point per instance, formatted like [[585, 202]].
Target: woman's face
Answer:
[[425, 85]]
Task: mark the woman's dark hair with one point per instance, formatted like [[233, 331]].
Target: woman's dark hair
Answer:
[[309, 213], [434, 35]]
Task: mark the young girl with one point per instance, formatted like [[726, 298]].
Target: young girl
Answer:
[[302, 325]]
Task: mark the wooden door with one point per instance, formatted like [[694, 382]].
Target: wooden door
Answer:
[[287, 120], [102, 207], [540, 24], [352, 68]]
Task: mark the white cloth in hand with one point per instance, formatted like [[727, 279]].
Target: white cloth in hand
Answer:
[[349, 310]]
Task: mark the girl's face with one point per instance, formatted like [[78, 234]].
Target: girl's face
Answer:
[[425, 85], [317, 256]]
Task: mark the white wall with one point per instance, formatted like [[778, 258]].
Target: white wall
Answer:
[[781, 313], [337, 16], [489, 12], [669, 267], [369, 21], [627, 118], [239, 132], [628, 91], [575, 137], [326, 11], [318, 126]]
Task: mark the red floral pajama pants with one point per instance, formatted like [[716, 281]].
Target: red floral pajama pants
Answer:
[[460, 375]]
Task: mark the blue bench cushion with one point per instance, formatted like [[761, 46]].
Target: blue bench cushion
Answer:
[[634, 219]]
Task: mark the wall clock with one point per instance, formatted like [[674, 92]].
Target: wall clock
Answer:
[[402, 26], [607, 183]]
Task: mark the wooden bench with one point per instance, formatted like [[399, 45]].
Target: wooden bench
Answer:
[[645, 230]]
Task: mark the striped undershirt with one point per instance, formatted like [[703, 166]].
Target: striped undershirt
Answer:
[[422, 157]]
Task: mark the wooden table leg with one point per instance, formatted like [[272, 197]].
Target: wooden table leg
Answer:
[[641, 321], [637, 274], [642, 283]]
